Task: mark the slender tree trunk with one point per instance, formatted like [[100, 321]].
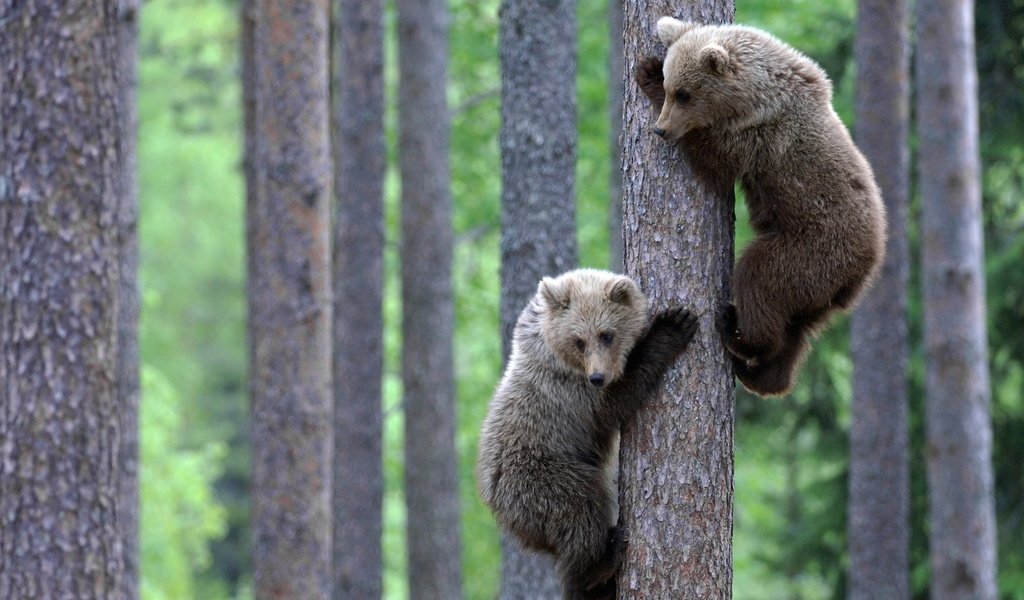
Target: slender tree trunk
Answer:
[[676, 474], [879, 493], [959, 431], [616, 63], [359, 160], [538, 223], [128, 299], [63, 162], [289, 298], [431, 462]]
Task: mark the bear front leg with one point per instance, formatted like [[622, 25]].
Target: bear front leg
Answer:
[[650, 76], [669, 335]]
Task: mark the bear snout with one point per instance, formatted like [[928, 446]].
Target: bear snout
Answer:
[[597, 379], [659, 131]]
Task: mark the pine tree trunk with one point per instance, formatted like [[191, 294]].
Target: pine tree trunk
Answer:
[[616, 64], [959, 431], [879, 501], [676, 462], [359, 159], [431, 462], [538, 223], [128, 307], [63, 163], [289, 298]]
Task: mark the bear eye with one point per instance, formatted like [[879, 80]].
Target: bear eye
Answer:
[[606, 338], [682, 97], [580, 345]]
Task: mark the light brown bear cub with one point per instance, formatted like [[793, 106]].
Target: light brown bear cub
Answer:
[[583, 361], [744, 105]]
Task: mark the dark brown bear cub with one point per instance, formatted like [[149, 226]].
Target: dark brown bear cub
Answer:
[[744, 105], [581, 366]]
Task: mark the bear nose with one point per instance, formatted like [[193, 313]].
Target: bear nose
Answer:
[[659, 131], [597, 379]]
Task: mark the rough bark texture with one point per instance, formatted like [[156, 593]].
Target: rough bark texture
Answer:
[[879, 492], [359, 159], [431, 462], [615, 88], [128, 306], [676, 473], [537, 44], [63, 158], [959, 431], [289, 299]]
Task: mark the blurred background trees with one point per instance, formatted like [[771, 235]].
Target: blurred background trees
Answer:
[[791, 454]]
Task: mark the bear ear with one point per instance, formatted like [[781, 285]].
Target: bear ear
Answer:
[[671, 29], [622, 291], [556, 295], [715, 59]]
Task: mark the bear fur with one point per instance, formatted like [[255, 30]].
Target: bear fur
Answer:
[[744, 105], [583, 361]]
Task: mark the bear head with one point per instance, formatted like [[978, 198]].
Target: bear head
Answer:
[[730, 76], [592, 319]]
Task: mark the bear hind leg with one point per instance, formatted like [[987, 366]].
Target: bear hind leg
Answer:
[[591, 576], [775, 377]]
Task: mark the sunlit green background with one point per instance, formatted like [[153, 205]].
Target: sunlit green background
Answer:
[[791, 463]]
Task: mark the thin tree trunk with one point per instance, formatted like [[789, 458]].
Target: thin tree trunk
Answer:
[[616, 64], [676, 474], [63, 159], [431, 462], [359, 160], [289, 298], [959, 431], [879, 492], [538, 155], [128, 311]]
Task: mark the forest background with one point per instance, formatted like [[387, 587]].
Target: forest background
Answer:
[[791, 454]]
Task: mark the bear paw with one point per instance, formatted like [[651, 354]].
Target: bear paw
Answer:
[[677, 324], [651, 78]]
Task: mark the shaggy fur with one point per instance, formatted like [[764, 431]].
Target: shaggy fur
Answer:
[[744, 105], [548, 442]]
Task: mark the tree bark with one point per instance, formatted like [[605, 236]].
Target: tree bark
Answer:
[[128, 303], [431, 461], [537, 45], [879, 492], [359, 159], [63, 163], [289, 298], [676, 473], [616, 65], [959, 430]]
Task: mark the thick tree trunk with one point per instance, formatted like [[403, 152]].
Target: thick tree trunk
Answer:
[[959, 431], [359, 160], [676, 473], [63, 162], [538, 223], [879, 493], [615, 89], [289, 298], [431, 462], [128, 307]]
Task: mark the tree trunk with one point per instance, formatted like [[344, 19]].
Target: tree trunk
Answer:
[[879, 501], [63, 162], [616, 64], [959, 431], [538, 155], [676, 473], [289, 299], [431, 462], [359, 160], [128, 307]]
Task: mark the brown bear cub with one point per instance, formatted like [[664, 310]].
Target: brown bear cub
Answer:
[[744, 105], [581, 365]]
